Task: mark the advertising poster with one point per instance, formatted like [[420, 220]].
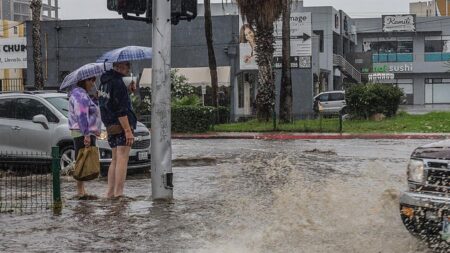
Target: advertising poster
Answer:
[[301, 43], [13, 53]]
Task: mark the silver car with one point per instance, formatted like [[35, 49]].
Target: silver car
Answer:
[[329, 101], [34, 122]]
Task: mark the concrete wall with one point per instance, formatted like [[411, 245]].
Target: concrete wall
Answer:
[[66, 45]]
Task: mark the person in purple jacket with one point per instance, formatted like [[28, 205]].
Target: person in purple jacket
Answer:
[[84, 120]]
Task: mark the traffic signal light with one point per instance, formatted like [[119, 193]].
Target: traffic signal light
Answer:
[[180, 9], [184, 9], [137, 7]]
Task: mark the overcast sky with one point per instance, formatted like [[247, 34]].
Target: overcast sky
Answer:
[[90, 9]]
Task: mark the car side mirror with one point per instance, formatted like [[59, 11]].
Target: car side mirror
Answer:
[[41, 119]]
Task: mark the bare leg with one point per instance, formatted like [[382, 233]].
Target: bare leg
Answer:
[[123, 153], [80, 188], [112, 174]]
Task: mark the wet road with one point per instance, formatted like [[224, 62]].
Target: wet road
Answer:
[[240, 196]]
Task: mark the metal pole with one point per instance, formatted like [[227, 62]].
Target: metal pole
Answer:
[[446, 8], [57, 203], [162, 187]]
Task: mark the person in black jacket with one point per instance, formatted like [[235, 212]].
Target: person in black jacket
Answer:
[[120, 121]]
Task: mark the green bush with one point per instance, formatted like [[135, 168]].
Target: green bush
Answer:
[[190, 118], [366, 100], [193, 100]]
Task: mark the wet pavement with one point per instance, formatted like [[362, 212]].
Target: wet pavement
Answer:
[[240, 196]]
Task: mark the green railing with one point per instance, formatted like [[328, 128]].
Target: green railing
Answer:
[[30, 182]]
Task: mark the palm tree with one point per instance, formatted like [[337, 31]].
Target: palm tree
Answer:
[[262, 14], [286, 82], [35, 6], [211, 54]]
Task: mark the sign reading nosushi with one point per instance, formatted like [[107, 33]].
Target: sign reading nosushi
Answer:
[[13, 53], [399, 23]]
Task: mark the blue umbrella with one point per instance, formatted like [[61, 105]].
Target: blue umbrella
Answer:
[[129, 53], [82, 73]]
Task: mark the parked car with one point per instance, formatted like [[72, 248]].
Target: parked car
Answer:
[[329, 102], [34, 122], [425, 206]]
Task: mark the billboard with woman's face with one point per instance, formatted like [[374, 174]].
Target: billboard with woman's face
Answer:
[[247, 46]]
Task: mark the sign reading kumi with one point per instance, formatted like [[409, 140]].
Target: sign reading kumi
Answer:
[[399, 23]]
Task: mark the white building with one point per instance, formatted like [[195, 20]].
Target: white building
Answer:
[[19, 10], [430, 8]]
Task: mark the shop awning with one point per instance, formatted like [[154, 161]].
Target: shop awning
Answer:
[[195, 76]]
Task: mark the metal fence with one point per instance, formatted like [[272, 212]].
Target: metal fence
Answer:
[[317, 122], [29, 182], [16, 84]]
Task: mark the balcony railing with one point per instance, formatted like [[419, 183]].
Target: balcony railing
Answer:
[[12, 84], [437, 56], [393, 57], [346, 67]]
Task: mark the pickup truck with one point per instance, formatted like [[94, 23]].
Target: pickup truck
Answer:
[[425, 206]]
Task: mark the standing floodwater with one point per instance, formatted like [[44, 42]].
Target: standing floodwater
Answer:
[[240, 196]]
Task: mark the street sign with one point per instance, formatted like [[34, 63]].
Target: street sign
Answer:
[[13, 53], [203, 89], [301, 32], [381, 76]]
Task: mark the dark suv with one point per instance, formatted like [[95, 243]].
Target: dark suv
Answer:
[[34, 122], [425, 206]]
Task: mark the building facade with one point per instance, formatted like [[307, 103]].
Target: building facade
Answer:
[[430, 8], [322, 62], [415, 55], [19, 10]]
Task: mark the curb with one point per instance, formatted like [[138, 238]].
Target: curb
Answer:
[[294, 136]]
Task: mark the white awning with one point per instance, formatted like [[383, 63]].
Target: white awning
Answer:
[[195, 76]]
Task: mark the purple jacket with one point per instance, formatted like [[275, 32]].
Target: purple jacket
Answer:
[[84, 114]]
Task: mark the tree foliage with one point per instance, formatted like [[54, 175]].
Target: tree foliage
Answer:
[[262, 14]]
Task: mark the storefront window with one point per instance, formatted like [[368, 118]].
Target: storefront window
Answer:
[[437, 48], [400, 50], [405, 47], [437, 91], [434, 46]]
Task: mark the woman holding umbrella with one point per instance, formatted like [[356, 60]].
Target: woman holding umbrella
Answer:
[[84, 113]]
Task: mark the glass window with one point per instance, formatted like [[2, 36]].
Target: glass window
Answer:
[[324, 97], [434, 46], [27, 108], [336, 96], [387, 47], [61, 104], [321, 41], [7, 108], [405, 47]]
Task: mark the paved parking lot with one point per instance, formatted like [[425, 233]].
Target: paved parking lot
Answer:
[[423, 109]]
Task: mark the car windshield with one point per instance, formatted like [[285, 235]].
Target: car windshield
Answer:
[[61, 104]]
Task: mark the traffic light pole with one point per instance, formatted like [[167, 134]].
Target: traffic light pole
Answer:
[[162, 186]]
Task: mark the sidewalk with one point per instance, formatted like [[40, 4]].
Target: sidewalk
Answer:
[[311, 136]]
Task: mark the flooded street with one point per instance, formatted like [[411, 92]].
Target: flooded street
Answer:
[[240, 196]]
